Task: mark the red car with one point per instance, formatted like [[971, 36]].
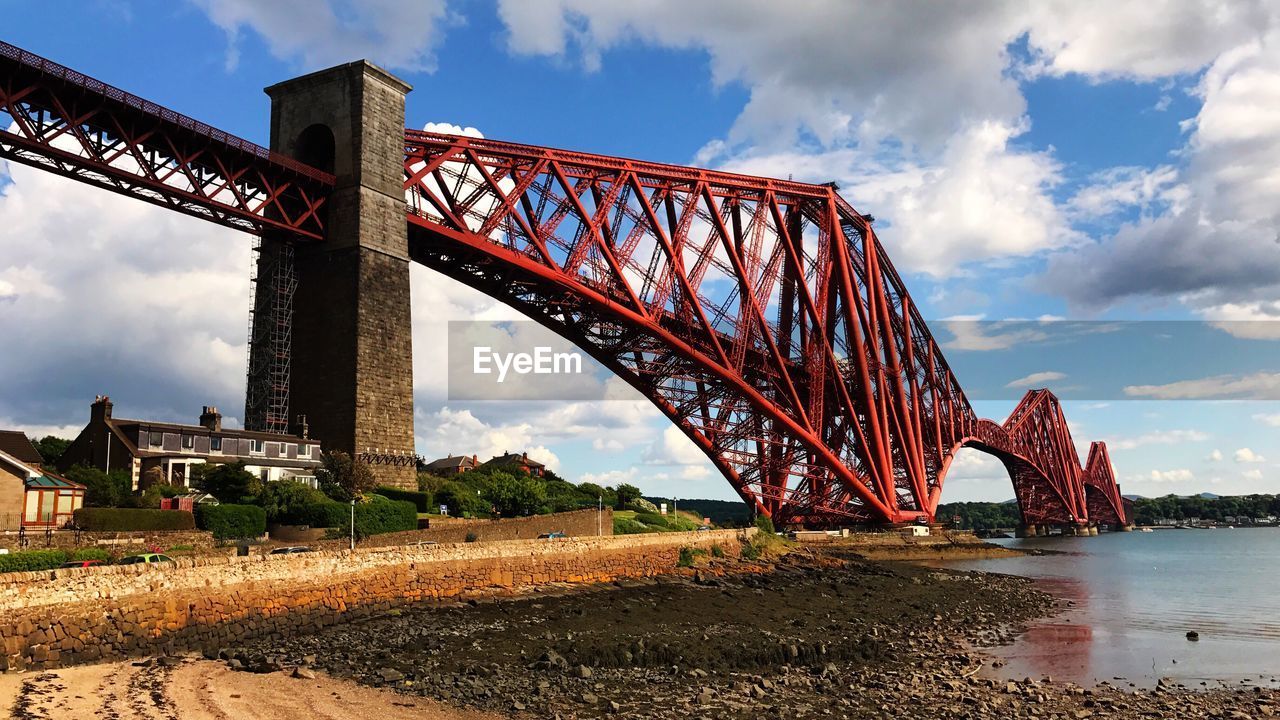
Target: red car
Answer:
[[81, 563]]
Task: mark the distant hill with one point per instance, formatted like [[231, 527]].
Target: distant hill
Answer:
[[721, 512], [1134, 497]]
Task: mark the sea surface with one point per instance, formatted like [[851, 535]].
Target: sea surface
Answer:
[[1136, 595]]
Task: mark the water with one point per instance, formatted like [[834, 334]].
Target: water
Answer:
[[1137, 594]]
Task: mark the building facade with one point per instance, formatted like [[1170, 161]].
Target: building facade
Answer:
[[452, 465], [139, 447]]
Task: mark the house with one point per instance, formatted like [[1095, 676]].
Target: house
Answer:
[[138, 446], [520, 462], [31, 497], [452, 465]]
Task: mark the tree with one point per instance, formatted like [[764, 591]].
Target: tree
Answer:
[[515, 494], [343, 478], [51, 448], [460, 499], [231, 483], [626, 493], [113, 489]]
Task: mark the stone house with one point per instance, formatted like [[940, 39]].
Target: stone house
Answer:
[[452, 465], [520, 461], [138, 446]]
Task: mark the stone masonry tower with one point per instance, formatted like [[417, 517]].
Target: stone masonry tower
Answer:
[[352, 359]]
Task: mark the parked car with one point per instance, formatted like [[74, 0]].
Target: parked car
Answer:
[[291, 550], [81, 563], [423, 543], [145, 559], [550, 535], [704, 528]]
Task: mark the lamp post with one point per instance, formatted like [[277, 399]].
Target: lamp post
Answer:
[[353, 523]]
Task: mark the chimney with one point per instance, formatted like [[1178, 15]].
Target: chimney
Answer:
[[304, 430], [211, 418], [100, 410]]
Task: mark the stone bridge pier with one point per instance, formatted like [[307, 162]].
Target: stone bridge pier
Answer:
[[352, 355]]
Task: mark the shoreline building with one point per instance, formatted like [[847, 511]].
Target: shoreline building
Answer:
[[137, 446], [32, 497]]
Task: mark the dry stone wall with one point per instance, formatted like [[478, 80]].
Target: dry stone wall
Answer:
[[63, 617]]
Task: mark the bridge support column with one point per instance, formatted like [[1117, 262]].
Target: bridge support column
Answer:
[[352, 359], [1026, 531]]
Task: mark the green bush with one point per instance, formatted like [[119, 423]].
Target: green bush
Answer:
[[717, 551], [379, 515], [515, 494], [750, 551], [627, 526], [651, 519], [461, 499], [765, 524], [32, 560], [232, 522], [130, 519], [230, 483], [91, 554], [114, 489], [421, 500], [688, 556], [288, 502]]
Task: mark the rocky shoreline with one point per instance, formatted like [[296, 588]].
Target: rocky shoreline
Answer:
[[818, 634]]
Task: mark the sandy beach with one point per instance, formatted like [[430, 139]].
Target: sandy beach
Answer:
[[204, 690]]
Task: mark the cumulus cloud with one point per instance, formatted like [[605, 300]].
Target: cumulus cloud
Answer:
[[400, 34], [1179, 475], [1245, 455], [673, 448], [1215, 248], [1215, 456], [1036, 379]]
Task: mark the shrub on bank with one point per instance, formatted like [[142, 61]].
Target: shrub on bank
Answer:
[[378, 515], [35, 560], [232, 522], [133, 520], [627, 526], [420, 499]]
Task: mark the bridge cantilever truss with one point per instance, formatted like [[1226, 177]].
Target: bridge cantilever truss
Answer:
[[763, 317]]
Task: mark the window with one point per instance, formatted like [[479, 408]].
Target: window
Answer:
[[215, 444], [257, 447], [188, 442], [155, 439]]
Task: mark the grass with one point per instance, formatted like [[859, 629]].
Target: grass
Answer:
[[630, 522]]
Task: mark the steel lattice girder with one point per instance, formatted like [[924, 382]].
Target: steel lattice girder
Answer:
[[761, 316], [72, 125]]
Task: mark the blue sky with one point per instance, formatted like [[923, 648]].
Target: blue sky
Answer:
[[1097, 161]]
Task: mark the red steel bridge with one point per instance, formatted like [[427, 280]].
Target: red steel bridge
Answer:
[[762, 316]]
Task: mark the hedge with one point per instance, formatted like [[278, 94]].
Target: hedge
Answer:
[[132, 519], [34, 560], [421, 500], [232, 522], [379, 515]]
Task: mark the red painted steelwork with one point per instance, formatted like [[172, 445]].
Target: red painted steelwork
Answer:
[[762, 317], [78, 127]]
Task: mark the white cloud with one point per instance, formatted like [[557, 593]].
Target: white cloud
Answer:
[[1245, 455], [1256, 386], [1215, 456], [673, 448], [1179, 475], [1162, 437], [1254, 474], [1272, 419], [1115, 189], [400, 34], [459, 432], [970, 332], [1036, 379]]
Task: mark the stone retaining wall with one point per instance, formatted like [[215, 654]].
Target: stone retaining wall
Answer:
[[62, 617], [577, 523], [124, 542]]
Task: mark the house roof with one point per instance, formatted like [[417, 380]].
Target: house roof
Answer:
[[514, 459], [49, 480], [451, 462], [202, 430], [17, 444]]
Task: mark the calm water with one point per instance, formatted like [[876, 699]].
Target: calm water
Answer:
[[1136, 596]]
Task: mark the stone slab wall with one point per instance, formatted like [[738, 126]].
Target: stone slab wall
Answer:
[[63, 617], [117, 542]]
